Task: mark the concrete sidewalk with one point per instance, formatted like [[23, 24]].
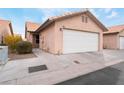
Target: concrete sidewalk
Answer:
[[60, 68]]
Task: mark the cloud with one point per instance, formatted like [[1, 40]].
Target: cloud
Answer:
[[49, 12], [27, 18], [94, 12], [105, 10], [112, 15]]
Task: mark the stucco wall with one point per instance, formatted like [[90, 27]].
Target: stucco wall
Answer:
[[75, 23], [47, 39], [4, 30], [29, 37], [110, 41], [121, 33]]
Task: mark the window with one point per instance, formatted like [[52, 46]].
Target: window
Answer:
[[84, 19]]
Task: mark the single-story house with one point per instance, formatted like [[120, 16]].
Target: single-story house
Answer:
[[72, 32], [5, 29], [30, 33], [114, 37]]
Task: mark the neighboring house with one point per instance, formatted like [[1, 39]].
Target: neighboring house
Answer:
[[72, 33], [30, 33], [114, 38], [5, 29]]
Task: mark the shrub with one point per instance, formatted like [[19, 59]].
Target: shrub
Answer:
[[23, 47], [11, 41]]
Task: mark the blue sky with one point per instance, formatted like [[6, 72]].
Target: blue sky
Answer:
[[19, 16]]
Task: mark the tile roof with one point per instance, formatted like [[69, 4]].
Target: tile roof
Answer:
[[115, 29], [69, 14], [31, 27], [4, 24], [65, 15]]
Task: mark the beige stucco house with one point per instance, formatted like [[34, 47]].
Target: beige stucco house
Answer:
[[72, 32], [114, 37], [5, 29], [30, 33]]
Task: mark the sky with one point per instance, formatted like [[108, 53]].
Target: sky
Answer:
[[18, 16]]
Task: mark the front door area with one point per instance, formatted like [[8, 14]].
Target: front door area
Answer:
[[36, 40]]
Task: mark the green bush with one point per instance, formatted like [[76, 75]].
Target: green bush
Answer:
[[23, 47], [11, 41]]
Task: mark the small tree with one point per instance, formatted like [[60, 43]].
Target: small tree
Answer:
[[11, 41]]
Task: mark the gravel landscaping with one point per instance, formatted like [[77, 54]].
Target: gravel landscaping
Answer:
[[14, 56]]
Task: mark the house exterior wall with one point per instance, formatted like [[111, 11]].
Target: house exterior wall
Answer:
[[4, 31], [29, 37], [111, 41], [121, 33], [75, 23], [47, 39]]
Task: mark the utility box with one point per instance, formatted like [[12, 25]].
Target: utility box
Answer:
[[3, 54]]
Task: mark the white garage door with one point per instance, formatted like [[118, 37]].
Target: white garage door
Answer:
[[121, 42], [77, 41]]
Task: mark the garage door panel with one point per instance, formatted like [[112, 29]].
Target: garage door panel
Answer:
[[121, 42], [77, 41]]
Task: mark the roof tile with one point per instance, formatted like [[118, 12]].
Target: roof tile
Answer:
[[115, 29], [52, 19], [4, 22], [32, 26]]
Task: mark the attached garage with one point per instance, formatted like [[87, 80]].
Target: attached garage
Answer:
[[121, 42], [114, 38], [72, 33], [79, 41]]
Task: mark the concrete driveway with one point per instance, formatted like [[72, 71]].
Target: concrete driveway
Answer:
[[112, 75], [60, 67]]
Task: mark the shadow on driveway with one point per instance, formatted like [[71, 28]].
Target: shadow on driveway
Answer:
[[107, 76]]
